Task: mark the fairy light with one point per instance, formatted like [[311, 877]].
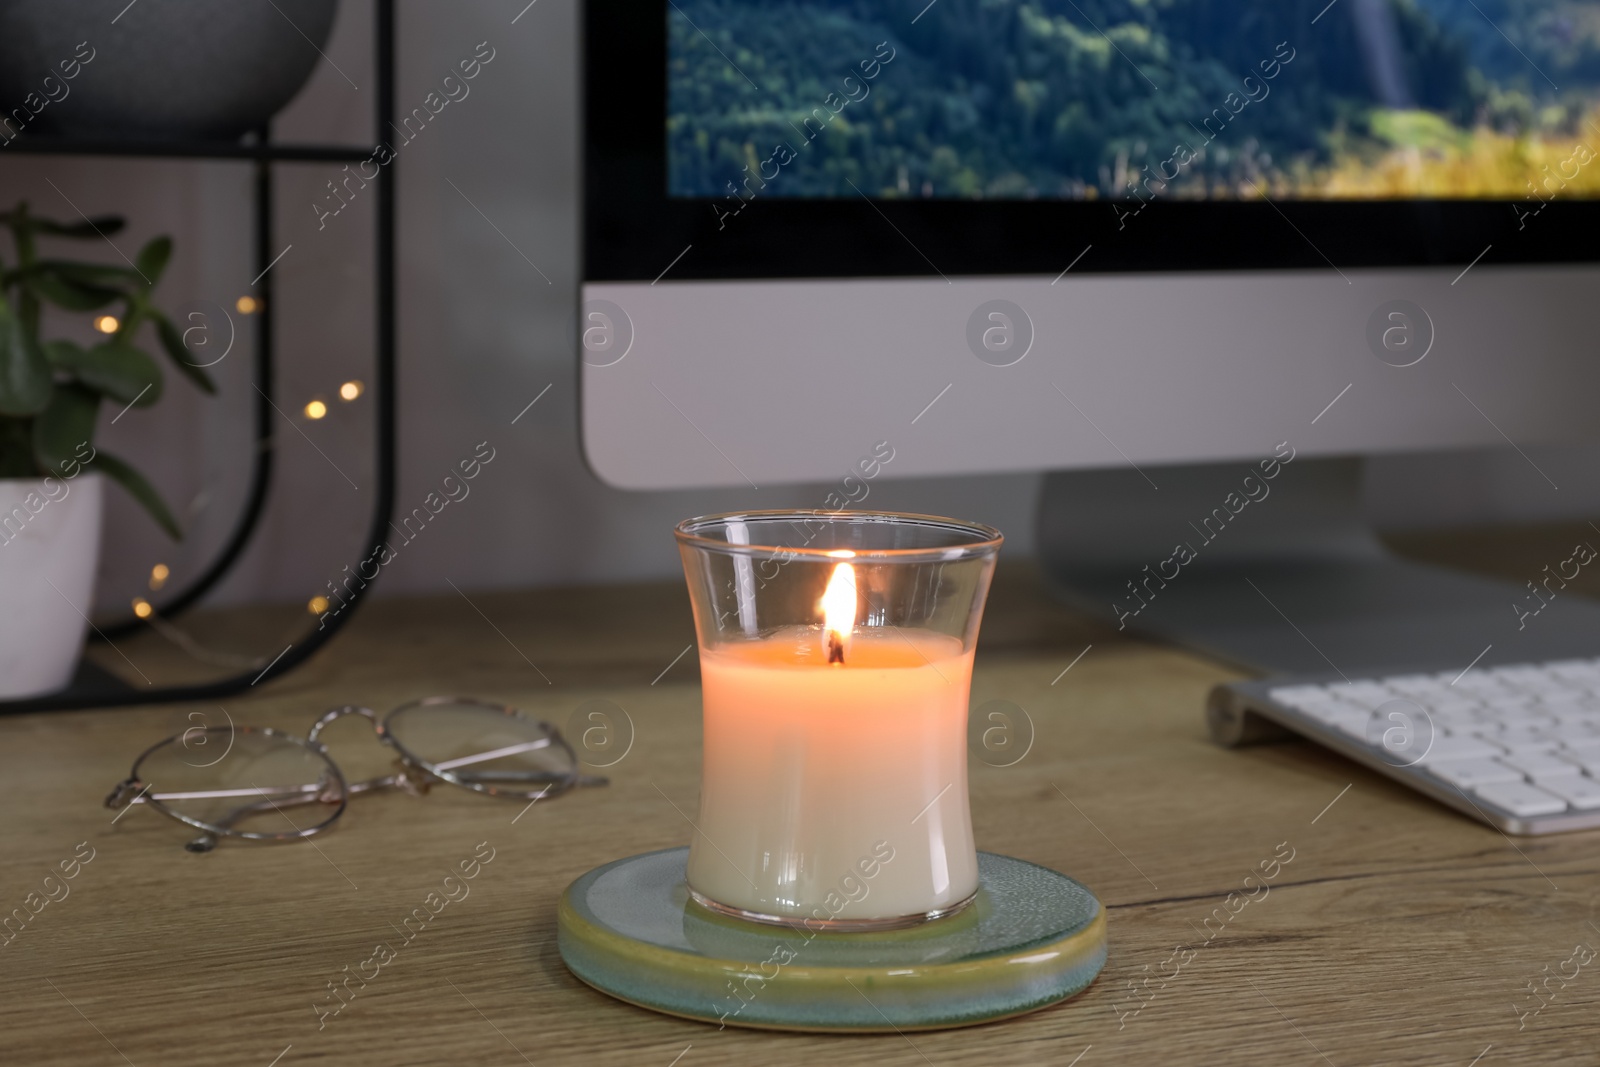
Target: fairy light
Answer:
[[106, 323], [351, 389], [316, 409], [142, 608], [317, 605], [159, 575], [247, 305]]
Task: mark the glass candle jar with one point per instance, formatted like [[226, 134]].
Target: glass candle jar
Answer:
[[836, 663]]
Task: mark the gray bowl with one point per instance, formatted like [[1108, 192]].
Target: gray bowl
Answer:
[[158, 69]]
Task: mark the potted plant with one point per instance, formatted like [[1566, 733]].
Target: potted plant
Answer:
[[50, 396]]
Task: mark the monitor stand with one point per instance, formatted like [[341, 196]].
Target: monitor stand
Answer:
[[1285, 576]]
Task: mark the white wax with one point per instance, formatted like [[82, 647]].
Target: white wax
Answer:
[[836, 791]]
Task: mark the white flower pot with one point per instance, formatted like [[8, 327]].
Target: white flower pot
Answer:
[[49, 549]]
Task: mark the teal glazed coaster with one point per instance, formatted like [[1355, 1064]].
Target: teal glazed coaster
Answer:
[[1032, 937]]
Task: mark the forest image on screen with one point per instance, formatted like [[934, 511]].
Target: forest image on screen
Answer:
[[1097, 99]]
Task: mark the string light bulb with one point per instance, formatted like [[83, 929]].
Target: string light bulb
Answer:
[[316, 409], [159, 575], [247, 305], [142, 608], [317, 605], [106, 323], [351, 390]]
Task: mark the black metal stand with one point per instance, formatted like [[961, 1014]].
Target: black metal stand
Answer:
[[95, 688]]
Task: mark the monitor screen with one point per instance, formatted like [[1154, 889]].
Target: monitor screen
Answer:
[[906, 138], [1099, 99]]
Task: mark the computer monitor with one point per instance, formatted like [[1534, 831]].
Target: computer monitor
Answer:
[[1158, 249]]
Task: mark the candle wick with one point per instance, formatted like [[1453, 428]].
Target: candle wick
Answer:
[[835, 648]]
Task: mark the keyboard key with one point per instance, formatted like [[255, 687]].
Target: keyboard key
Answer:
[[1452, 724], [1560, 689], [1519, 737], [1298, 695], [1572, 713], [1455, 705], [1520, 798], [1537, 742], [1364, 694], [1355, 725], [1432, 693], [1524, 738], [1445, 749], [1470, 773], [1329, 711], [1540, 764], [1587, 759], [1583, 669], [1581, 792]]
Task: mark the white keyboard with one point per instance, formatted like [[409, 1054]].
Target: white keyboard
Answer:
[[1517, 747]]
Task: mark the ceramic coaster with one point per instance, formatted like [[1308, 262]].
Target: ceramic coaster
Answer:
[[1032, 937]]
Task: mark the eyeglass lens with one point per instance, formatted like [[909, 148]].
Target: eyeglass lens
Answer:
[[243, 780], [484, 747]]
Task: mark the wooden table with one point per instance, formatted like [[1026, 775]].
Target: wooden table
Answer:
[[1399, 933]]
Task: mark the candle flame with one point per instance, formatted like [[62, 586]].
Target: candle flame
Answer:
[[839, 610]]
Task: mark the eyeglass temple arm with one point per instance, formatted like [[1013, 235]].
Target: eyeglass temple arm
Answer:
[[120, 799], [292, 797], [463, 761], [132, 791], [516, 776], [310, 794], [497, 753]]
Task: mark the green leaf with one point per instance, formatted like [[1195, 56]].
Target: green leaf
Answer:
[[24, 375], [16, 449], [172, 343], [22, 228], [133, 316], [64, 428], [153, 259], [101, 274], [68, 294], [114, 368], [64, 355], [139, 489], [100, 225]]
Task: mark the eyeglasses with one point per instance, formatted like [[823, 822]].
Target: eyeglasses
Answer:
[[260, 773]]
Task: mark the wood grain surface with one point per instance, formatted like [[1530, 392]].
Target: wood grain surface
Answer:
[[1398, 932]]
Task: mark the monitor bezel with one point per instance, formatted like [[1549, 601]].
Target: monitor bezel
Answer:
[[634, 231]]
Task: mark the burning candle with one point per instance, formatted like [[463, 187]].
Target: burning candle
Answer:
[[836, 655]]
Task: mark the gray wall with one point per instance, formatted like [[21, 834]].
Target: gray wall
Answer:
[[487, 290]]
